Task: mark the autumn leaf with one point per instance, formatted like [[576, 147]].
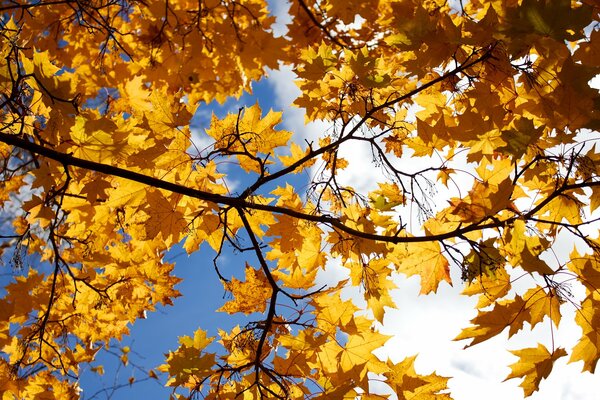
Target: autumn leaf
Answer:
[[249, 135], [206, 227], [587, 348], [318, 61], [524, 250], [534, 365], [482, 261], [541, 304], [424, 259], [387, 197], [359, 348], [407, 384], [587, 269], [521, 135], [297, 153], [249, 296], [487, 324], [188, 362], [333, 312], [490, 287], [542, 18]]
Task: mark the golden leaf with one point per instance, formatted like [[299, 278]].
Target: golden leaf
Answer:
[[249, 296], [505, 314], [424, 259], [534, 365]]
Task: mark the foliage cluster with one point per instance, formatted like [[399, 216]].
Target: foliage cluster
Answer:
[[100, 178]]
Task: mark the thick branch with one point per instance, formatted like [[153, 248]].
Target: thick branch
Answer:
[[241, 203]]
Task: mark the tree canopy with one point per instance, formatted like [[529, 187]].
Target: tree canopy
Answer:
[[100, 178]]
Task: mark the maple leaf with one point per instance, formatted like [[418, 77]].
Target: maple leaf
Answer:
[[534, 365], [564, 207], [333, 312], [407, 384], [424, 259], [483, 261], [311, 255], [204, 228], [588, 347], [521, 135], [358, 350], [387, 197], [587, 269], [164, 218], [505, 314], [541, 304], [491, 286], [542, 17], [54, 81], [523, 250], [97, 139], [96, 189], [297, 153], [188, 363], [297, 278], [248, 135], [9, 385], [318, 61], [249, 296]]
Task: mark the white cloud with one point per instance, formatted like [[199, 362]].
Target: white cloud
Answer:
[[280, 9]]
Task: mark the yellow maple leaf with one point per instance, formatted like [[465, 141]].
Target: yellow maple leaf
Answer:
[[165, 218], [332, 312], [588, 347], [564, 207], [248, 135], [587, 268], [249, 296], [206, 227], [408, 384], [541, 304], [298, 277], [490, 287], [523, 250], [358, 350], [297, 153], [534, 365], [189, 363], [505, 314], [311, 256], [424, 259]]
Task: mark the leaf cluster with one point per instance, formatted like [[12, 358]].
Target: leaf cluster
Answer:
[[482, 129]]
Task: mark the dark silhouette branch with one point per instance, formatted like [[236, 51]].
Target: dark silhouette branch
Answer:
[[237, 202]]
